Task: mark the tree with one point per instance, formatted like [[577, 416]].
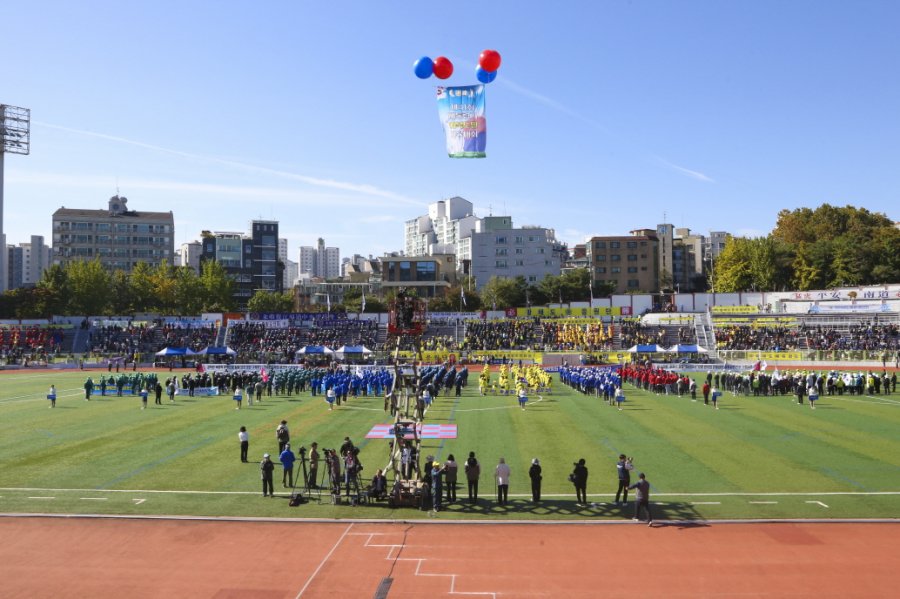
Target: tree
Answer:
[[501, 293], [53, 292], [143, 298], [269, 301], [758, 264], [834, 246], [216, 286], [165, 288], [120, 301], [188, 291], [89, 284], [452, 301]]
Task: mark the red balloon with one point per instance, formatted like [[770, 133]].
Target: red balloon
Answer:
[[443, 68], [489, 60]]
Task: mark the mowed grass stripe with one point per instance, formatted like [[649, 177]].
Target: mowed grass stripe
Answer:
[[830, 427], [799, 455], [705, 449]]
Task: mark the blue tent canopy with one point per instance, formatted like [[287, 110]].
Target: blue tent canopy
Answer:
[[646, 349], [176, 351], [315, 349], [354, 349], [687, 349], [218, 351]]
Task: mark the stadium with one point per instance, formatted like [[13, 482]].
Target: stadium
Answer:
[[143, 423]]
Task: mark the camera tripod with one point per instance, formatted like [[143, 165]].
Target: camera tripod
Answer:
[[302, 494]]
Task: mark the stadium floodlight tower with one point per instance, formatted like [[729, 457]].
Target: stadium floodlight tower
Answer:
[[15, 138]]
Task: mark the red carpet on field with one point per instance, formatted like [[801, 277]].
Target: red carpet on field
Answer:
[[427, 431]]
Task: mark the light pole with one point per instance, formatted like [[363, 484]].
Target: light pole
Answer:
[[15, 138]]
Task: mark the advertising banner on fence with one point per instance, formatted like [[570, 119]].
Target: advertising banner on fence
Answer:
[[793, 356], [199, 391], [735, 309], [595, 312], [461, 110]]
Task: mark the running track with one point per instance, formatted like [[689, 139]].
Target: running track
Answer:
[[136, 558]]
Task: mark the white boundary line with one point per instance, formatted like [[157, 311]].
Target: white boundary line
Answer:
[[438, 522], [324, 560], [711, 494]]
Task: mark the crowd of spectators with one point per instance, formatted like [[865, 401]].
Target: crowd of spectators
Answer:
[[124, 339], [344, 332], [634, 332], [765, 338], [196, 337], [24, 341], [864, 336], [501, 334], [254, 342], [576, 336]]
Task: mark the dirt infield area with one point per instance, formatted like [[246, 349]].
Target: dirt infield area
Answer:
[[103, 557]]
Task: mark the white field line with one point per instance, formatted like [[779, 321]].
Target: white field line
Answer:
[[763, 502], [878, 401], [712, 494], [706, 503], [59, 394], [323, 562], [819, 502]]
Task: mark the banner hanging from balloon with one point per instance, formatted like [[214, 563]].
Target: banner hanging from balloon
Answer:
[[461, 110]]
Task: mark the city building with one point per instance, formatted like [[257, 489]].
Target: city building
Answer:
[[251, 259], [291, 274], [27, 262], [291, 268], [119, 237], [442, 230], [320, 261], [497, 249], [428, 276], [626, 263], [190, 254]]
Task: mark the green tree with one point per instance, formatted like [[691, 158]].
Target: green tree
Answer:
[[143, 296], [165, 288], [120, 301], [452, 301], [268, 301], [188, 291], [52, 295], [89, 286], [217, 287], [501, 293]]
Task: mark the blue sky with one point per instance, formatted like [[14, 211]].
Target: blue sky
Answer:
[[605, 116]]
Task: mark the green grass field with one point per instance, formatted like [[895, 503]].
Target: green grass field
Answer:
[[753, 458]]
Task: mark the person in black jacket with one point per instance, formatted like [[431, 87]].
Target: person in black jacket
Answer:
[[579, 479], [266, 467], [623, 469], [534, 473]]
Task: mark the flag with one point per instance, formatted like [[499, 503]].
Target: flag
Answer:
[[591, 287], [363, 303], [462, 296], [328, 300]]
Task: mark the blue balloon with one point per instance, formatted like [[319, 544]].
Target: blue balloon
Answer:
[[485, 76], [424, 67]]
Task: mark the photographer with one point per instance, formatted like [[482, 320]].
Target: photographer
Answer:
[[623, 469], [534, 473], [314, 466], [266, 467], [579, 478]]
